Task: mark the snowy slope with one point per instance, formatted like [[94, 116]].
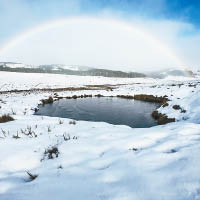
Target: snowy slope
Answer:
[[98, 160], [171, 72], [15, 65], [68, 67]]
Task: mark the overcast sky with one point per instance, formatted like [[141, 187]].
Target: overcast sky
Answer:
[[116, 34]]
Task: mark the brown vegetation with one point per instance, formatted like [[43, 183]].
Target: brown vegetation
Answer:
[[125, 96], [161, 118], [151, 98], [72, 122], [47, 101], [176, 107], [98, 95], [52, 152], [6, 118], [107, 87]]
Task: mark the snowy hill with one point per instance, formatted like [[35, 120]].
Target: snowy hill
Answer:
[[60, 67], [170, 72], [89, 71], [67, 69], [15, 65]]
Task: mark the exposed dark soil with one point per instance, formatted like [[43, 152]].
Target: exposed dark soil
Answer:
[[89, 87]]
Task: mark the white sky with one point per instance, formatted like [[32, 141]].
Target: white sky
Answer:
[[109, 44]]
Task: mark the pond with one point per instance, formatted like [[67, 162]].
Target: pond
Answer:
[[113, 110]]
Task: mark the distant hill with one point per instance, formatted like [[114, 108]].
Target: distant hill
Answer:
[[89, 71], [15, 65], [170, 72], [68, 70]]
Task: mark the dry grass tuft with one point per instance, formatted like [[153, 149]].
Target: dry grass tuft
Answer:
[[6, 118], [52, 152], [32, 176], [72, 122], [47, 101]]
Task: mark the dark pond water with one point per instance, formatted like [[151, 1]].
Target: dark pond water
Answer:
[[118, 111]]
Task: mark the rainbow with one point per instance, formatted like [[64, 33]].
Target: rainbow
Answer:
[[61, 22]]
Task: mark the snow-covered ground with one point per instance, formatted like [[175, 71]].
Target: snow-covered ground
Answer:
[[15, 65], [22, 81], [98, 160]]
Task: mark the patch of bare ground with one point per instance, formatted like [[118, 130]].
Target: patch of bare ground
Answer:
[[107, 87], [88, 87]]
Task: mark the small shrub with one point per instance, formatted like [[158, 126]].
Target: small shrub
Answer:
[[6, 118], [47, 101], [172, 151], [176, 107], [60, 167], [66, 137], [165, 105], [134, 149], [13, 112], [4, 132], [52, 152], [155, 114], [74, 97], [60, 121], [72, 122], [16, 136], [29, 132], [162, 118], [48, 129], [98, 95], [183, 111]]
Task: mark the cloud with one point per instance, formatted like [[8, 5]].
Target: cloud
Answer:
[[182, 37], [96, 42]]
